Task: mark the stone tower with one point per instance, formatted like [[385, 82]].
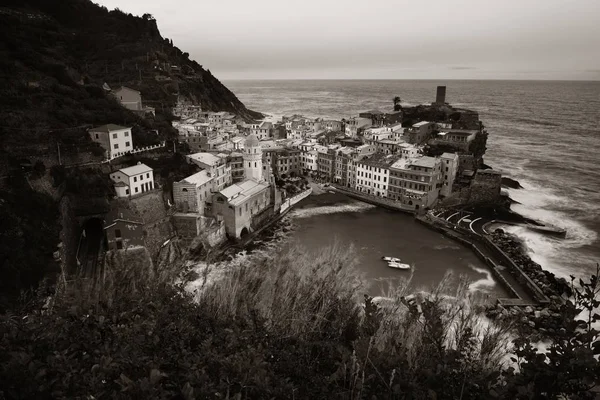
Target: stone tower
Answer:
[[440, 98], [253, 158]]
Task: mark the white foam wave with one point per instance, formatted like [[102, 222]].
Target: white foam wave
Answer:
[[446, 247], [484, 284], [339, 208], [555, 255]]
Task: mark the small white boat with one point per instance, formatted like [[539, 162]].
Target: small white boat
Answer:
[[398, 265], [392, 259]]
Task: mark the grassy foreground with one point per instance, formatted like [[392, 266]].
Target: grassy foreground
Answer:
[[291, 324]]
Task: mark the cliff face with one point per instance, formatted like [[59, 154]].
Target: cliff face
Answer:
[[56, 54]]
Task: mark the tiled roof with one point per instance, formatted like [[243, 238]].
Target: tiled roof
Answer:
[[136, 169], [108, 128]]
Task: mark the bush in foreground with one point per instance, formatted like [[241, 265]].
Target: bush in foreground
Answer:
[[286, 325]]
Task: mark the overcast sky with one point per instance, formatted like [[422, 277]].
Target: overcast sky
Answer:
[[383, 39]]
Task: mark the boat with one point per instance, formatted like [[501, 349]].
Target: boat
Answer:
[[393, 259], [398, 265]]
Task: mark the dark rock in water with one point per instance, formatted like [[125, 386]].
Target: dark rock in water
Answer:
[[511, 183]]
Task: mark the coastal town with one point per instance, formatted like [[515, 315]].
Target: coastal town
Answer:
[[248, 173], [224, 179]]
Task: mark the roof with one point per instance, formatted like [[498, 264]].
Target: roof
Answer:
[[108, 128], [128, 88], [136, 169], [380, 160], [199, 178], [237, 194], [449, 155], [425, 161], [420, 124], [251, 141], [205, 158], [120, 214]]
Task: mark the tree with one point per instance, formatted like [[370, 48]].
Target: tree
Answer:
[[397, 101], [569, 368]]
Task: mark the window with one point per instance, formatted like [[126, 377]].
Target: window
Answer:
[[114, 135], [119, 245], [117, 233], [127, 144], [126, 191], [136, 190], [148, 175], [97, 136], [127, 134], [135, 178]]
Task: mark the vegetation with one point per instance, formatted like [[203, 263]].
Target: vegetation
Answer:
[[58, 54], [286, 325], [28, 238], [397, 101]]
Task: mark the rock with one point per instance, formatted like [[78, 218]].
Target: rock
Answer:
[[511, 183], [532, 324], [524, 320], [545, 313], [529, 310]]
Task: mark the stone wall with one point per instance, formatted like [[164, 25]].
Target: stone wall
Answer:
[[486, 187]]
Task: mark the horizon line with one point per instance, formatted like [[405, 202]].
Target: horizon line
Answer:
[[409, 79]]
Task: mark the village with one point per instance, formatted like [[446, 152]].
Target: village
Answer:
[[248, 174]]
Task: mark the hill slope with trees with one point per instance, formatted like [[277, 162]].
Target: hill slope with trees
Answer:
[[57, 54]]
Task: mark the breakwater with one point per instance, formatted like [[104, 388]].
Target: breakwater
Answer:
[[524, 291]]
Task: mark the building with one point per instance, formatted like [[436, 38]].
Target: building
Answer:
[[215, 165], [415, 182], [239, 203], [486, 187], [372, 135], [129, 98], [419, 132], [123, 229], [309, 161], [377, 117], [236, 162], [326, 164], [373, 173], [440, 97], [340, 171], [449, 170], [194, 193], [394, 118], [253, 168], [332, 125], [264, 130], [356, 125], [133, 180], [284, 162], [116, 140], [460, 138]]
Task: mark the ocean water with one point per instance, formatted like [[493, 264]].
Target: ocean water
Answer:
[[546, 134]]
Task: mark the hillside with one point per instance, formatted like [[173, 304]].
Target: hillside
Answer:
[[57, 54]]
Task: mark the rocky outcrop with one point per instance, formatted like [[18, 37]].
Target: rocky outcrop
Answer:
[[511, 183], [545, 280]]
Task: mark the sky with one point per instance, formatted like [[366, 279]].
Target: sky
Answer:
[[383, 39]]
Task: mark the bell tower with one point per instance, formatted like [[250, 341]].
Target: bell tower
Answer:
[[253, 168]]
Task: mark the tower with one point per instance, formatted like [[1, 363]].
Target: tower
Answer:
[[440, 98], [253, 158]]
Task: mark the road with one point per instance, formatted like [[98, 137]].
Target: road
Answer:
[[89, 248]]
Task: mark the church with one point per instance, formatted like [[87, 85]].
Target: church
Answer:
[[242, 203]]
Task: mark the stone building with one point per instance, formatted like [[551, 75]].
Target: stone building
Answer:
[[123, 229], [192, 194], [485, 187]]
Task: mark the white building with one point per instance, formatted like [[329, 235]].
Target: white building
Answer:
[[308, 160], [194, 193], [116, 140], [449, 169], [215, 165], [253, 159], [133, 180], [373, 174]]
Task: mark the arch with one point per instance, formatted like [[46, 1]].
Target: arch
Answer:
[[244, 232], [410, 203]]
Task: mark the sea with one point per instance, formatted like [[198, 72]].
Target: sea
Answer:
[[545, 134]]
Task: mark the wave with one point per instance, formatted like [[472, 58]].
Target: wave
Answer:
[[322, 210], [446, 247], [553, 254]]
